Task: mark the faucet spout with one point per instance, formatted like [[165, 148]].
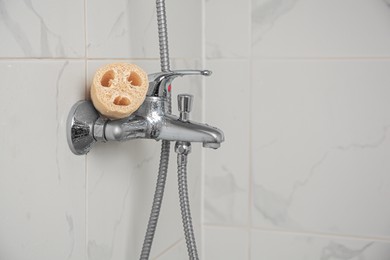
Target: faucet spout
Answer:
[[175, 129]]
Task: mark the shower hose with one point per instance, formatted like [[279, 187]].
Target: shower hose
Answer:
[[185, 206], [164, 159]]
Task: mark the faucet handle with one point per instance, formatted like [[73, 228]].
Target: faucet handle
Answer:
[[158, 82], [185, 106], [192, 72]]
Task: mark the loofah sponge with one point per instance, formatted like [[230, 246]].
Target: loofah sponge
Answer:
[[119, 89]]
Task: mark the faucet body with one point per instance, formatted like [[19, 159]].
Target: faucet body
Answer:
[[151, 121]]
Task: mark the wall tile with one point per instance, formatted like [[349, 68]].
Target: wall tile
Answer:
[[280, 246], [120, 197], [42, 184], [227, 169], [321, 146], [129, 29], [178, 251], [121, 183], [228, 244], [39, 28], [227, 28], [306, 28]]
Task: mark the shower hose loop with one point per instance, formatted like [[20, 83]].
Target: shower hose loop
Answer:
[[164, 159]]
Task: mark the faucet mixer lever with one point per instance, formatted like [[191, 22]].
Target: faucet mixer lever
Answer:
[[158, 82]]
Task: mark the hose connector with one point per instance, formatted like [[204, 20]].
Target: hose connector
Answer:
[[183, 147]]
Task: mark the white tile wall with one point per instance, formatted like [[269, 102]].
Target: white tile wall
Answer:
[[227, 171], [42, 185], [316, 88], [321, 160], [227, 29], [281, 246], [176, 251], [300, 88], [129, 29], [307, 28], [226, 243], [38, 28]]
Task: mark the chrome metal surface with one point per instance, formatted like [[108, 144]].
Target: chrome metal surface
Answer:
[[159, 82], [211, 145], [98, 129], [174, 129], [149, 121], [183, 149], [184, 103], [125, 129], [165, 145], [80, 124], [162, 35]]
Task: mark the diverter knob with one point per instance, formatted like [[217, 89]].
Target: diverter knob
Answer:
[[185, 106]]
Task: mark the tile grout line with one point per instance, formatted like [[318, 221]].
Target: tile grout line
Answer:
[[93, 58], [203, 155], [86, 207], [85, 30], [382, 58], [168, 249], [325, 234], [359, 59], [250, 192], [86, 156], [303, 233], [302, 58], [227, 226], [324, 58]]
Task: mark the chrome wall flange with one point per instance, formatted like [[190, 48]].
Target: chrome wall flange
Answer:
[[79, 127]]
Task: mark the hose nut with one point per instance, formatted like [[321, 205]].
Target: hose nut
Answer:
[[182, 147]]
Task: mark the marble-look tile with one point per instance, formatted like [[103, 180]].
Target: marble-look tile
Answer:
[[307, 28], [227, 28], [129, 29], [121, 183], [42, 184], [178, 251], [321, 145], [226, 243], [282, 246], [42, 28], [227, 169]]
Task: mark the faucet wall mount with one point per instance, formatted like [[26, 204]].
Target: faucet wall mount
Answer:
[[85, 126]]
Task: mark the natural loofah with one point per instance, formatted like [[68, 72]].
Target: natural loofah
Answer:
[[119, 89]]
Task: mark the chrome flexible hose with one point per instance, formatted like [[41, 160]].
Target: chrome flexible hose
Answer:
[[185, 207], [165, 146], [157, 200], [163, 35]]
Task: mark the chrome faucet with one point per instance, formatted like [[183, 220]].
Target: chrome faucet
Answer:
[[152, 120]]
